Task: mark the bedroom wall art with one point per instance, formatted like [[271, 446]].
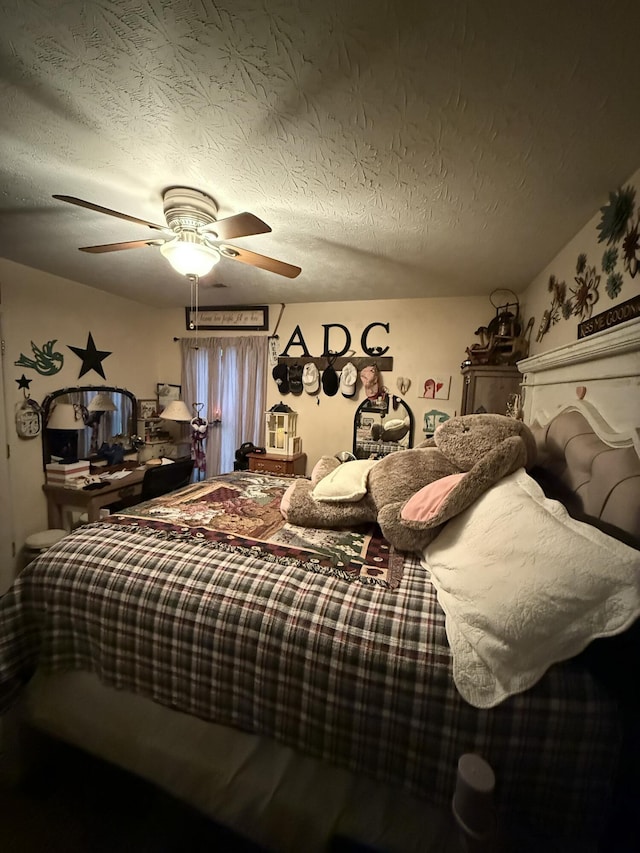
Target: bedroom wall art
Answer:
[[23, 382], [432, 420], [619, 227], [297, 340], [611, 317], [242, 318], [45, 360], [403, 383], [92, 357], [147, 409], [436, 388]]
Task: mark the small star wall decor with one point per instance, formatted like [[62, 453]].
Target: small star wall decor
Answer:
[[23, 382], [92, 358]]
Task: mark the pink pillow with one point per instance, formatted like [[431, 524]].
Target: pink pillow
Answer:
[[426, 503]]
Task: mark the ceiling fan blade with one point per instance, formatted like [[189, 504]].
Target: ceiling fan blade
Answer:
[[262, 261], [116, 247], [240, 225], [90, 206]]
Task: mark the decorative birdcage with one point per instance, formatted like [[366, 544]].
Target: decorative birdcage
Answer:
[[280, 433]]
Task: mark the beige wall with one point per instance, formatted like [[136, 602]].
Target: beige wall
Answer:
[[563, 266], [39, 307]]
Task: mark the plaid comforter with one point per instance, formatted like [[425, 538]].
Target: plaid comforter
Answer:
[[359, 675]]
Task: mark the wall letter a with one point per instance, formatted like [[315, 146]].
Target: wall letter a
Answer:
[[296, 343]]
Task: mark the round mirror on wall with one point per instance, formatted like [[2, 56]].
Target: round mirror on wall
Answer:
[[79, 421], [382, 426]]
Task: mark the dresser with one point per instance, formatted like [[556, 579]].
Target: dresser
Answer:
[[271, 463], [487, 388]]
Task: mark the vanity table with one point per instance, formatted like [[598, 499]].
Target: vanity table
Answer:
[[108, 417], [90, 501]]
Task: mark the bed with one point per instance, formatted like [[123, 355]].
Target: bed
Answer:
[[298, 685]]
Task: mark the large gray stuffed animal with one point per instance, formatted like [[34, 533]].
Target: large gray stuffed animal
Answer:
[[413, 493]]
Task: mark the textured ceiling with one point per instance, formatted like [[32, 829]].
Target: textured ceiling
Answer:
[[397, 149]]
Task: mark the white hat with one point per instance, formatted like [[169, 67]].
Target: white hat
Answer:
[[310, 378], [348, 379]]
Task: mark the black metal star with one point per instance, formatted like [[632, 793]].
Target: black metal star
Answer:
[[92, 358], [23, 382]]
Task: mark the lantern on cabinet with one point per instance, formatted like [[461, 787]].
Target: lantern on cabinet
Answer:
[[280, 433]]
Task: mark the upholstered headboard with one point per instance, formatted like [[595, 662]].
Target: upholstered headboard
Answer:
[[604, 480], [582, 402]]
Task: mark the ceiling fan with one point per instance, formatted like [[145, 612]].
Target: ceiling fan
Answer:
[[192, 238]]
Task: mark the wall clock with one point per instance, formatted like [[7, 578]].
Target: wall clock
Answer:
[[28, 419]]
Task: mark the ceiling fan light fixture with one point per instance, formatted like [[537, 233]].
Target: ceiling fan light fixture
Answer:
[[189, 255], [192, 227]]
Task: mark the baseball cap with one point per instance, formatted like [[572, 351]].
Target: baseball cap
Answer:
[[330, 381], [310, 378], [295, 379], [281, 374], [348, 378]]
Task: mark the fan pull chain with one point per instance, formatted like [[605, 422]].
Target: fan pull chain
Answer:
[[193, 299]]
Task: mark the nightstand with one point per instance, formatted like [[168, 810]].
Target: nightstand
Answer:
[[271, 463]]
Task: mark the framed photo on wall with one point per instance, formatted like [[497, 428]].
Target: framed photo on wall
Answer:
[[147, 409], [248, 318], [166, 394]]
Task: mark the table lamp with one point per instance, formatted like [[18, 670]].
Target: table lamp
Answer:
[[66, 419], [102, 402], [176, 411]]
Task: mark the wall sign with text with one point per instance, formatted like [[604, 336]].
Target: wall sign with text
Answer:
[[253, 318], [611, 317]]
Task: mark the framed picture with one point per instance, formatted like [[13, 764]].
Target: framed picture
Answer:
[[167, 394], [432, 420], [254, 318], [436, 388], [147, 409]]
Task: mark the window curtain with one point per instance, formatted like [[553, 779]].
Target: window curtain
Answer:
[[229, 377]]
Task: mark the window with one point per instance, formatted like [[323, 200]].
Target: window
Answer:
[[228, 377]]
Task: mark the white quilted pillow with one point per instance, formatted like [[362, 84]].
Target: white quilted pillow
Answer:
[[523, 586]]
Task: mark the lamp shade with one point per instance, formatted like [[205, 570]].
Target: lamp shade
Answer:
[[176, 411], [102, 402], [66, 416], [188, 255]]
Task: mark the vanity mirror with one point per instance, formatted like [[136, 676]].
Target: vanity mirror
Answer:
[[382, 426], [87, 417]]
